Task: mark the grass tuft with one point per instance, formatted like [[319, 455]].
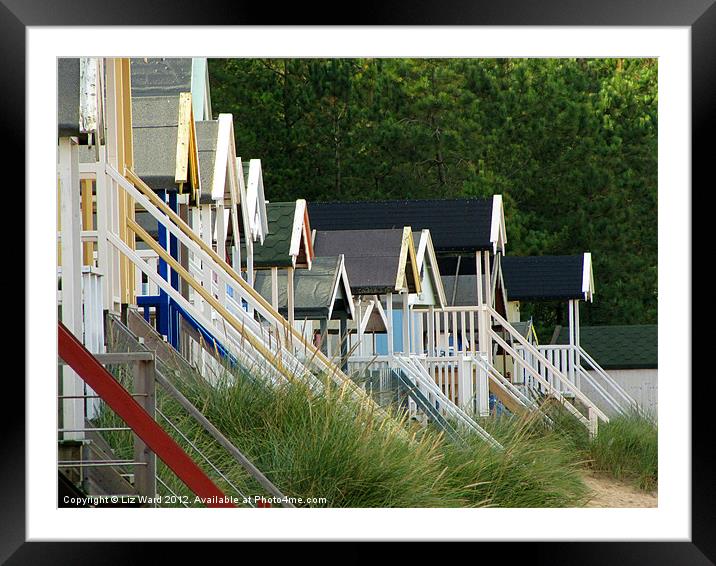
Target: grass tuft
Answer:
[[326, 445], [627, 448]]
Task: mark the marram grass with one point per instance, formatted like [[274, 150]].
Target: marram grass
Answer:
[[627, 448], [326, 445]]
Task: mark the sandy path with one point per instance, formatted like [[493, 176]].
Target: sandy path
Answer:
[[608, 492]]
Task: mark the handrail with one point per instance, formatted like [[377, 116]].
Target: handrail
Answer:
[[220, 438], [163, 284], [408, 365], [543, 360], [613, 403], [583, 372], [266, 309], [604, 394], [144, 195], [142, 424], [553, 390], [208, 297], [506, 384], [424, 309], [413, 391], [608, 378]]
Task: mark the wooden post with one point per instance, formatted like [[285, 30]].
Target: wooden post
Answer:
[[113, 155], [274, 288], [343, 337], [145, 473], [289, 295], [324, 336], [359, 316], [183, 250], [87, 224], [488, 279], [73, 413], [250, 266], [406, 324], [104, 262], [431, 331], [593, 422], [389, 312], [221, 244], [488, 301], [570, 358], [482, 337], [207, 238], [577, 357]]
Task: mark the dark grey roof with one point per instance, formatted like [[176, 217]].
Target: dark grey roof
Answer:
[[372, 257], [449, 264], [68, 97], [466, 294], [313, 289], [455, 224], [206, 137], [618, 347], [160, 76], [543, 277], [154, 131]]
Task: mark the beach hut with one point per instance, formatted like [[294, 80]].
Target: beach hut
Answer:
[[465, 233], [567, 278], [564, 279], [381, 264], [254, 208], [321, 294], [287, 245]]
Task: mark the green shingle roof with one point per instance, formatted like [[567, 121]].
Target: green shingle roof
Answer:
[[277, 244], [618, 347], [313, 289]]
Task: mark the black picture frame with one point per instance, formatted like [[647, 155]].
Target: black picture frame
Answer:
[[699, 15]]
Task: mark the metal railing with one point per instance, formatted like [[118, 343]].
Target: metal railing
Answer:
[[151, 439], [164, 376]]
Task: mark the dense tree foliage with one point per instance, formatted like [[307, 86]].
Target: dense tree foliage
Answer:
[[570, 143]]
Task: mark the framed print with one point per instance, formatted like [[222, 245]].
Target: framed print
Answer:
[[413, 274]]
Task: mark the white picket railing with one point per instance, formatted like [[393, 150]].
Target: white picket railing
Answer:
[[445, 336], [244, 334], [582, 371], [419, 375]]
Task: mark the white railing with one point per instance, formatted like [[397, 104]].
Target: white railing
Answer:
[[243, 334], [550, 373], [445, 337], [377, 372], [417, 373], [92, 326], [584, 373], [452, 332], [376, 377], [148, 287], [444, 332]]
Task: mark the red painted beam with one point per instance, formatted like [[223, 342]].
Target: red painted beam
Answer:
[[73, 352]]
